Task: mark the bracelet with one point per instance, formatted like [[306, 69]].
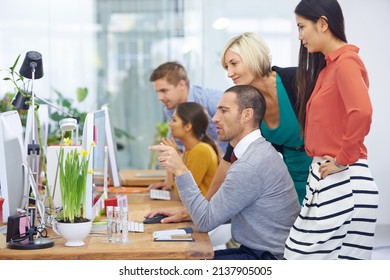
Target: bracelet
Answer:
[[338, 165]]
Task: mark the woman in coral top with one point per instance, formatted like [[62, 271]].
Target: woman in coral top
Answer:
[[339, 213], [201, 155]]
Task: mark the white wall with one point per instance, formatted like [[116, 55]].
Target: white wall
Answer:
[[368, 26], [63, 32], [273, 20]]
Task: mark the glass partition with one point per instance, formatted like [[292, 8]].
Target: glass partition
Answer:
[[112, 46]]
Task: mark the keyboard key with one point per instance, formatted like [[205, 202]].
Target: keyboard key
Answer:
[[160, 194], [136, 226]]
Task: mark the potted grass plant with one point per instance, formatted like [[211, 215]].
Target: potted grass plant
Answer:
[[71, 223]]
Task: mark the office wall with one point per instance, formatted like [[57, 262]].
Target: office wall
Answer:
[[367, 26], [273, 20], [64, 33]]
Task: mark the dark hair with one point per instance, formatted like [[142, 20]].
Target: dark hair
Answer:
[[196, 115], [174, 72], [250, 97], [310, 64]]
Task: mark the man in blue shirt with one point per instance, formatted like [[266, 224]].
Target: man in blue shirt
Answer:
[[172, 85]]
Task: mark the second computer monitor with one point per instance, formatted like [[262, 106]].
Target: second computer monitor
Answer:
[[13, 179], [97, 128], [112, 150]]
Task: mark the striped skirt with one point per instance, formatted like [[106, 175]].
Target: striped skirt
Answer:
[[338, 216]]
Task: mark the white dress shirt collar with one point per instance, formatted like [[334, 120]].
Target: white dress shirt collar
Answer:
[[244, 143]]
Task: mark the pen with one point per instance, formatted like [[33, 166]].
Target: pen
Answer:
[[180, 236]]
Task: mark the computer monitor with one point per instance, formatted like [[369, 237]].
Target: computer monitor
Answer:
[[113, 169], [94, 130], [13, 179], [16, 178], [100, 153]]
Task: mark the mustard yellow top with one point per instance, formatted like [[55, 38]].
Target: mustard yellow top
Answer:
[[202, 162]]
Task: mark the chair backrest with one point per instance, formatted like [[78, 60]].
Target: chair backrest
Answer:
[[220, 236]]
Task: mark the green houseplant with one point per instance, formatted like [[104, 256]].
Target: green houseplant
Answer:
[[73, 171], [162, 129]]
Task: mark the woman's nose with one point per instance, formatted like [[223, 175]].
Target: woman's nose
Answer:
[[230, 73]]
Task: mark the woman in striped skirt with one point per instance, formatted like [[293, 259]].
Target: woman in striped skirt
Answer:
[[338, 216]]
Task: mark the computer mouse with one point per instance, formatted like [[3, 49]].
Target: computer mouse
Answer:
[[154, 220]]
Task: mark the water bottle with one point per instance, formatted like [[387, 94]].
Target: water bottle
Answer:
[[125, 227], [110, 219], [117, 224]]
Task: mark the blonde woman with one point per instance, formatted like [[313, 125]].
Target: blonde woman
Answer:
[[247, 60]]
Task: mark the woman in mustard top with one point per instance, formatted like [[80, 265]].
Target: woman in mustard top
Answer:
[[339, 213], [201, 156]]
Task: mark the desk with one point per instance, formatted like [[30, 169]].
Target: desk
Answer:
[[130, 178], [140, 246]]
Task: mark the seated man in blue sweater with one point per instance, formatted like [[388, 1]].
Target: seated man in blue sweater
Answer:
[[258, 194]]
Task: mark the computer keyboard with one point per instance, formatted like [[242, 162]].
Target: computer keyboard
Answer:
[[160, 194], [150, 175], [136, 226]]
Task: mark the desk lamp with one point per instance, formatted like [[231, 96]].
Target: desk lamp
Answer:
[[31, 68]]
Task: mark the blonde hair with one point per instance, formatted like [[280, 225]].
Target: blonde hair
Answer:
[[254, 51]]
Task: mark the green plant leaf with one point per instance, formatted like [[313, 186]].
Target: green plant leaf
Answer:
[[56, 116], [12, 68], [162, 128], [66, 103], [82, 93]]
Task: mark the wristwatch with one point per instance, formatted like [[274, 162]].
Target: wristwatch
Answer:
[[338, 165]]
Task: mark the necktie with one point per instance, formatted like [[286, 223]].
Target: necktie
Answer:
[[233, 158]]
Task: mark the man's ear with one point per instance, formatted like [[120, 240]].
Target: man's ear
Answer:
[[182, 83], [247, 114]]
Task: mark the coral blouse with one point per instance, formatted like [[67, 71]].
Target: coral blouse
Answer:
[[339, 111]]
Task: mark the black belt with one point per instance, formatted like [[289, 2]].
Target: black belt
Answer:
[[280, 148]]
